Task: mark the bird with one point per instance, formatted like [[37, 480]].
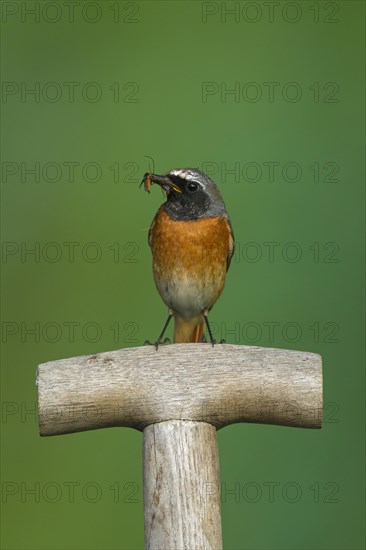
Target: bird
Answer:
[[192, 244]]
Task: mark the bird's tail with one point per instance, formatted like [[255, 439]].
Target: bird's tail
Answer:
[[188, 331]]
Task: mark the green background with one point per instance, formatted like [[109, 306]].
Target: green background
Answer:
[[161, 53]]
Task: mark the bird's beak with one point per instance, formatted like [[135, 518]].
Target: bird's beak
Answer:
[[163, 181]]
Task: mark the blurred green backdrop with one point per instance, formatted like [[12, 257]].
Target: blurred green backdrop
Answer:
[[268, 99]]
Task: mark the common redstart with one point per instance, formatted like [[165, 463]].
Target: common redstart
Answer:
[[192, 243]]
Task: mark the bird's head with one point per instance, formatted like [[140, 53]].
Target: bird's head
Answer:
[[191, 194]]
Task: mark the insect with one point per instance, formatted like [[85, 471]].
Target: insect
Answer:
[[147, 182], [164, 181]]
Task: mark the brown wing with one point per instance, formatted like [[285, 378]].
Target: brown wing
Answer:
[[231, 247], [151, 230]]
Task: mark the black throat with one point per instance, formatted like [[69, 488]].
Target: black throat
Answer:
[[183, 208]]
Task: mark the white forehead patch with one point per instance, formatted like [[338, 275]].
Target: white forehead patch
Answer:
[[184, 174]]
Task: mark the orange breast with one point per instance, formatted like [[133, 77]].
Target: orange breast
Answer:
[[190, 261]]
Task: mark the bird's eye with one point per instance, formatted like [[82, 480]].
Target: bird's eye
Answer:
[[192, 186]]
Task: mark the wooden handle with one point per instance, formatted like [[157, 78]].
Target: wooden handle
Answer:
[[181, 486], [137, 387]]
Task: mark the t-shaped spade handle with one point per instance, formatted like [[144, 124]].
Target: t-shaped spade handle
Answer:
[[179, 396]]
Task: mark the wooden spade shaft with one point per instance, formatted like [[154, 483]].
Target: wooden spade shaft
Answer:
[[181, 486]]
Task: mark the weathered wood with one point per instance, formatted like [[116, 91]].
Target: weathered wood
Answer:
[[181, 486], [140, 386], [179, 395]]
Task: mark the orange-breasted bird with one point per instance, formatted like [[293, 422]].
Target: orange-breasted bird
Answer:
[[192, 243]]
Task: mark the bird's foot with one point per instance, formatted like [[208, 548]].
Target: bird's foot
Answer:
[[157, 343], [213, 342]]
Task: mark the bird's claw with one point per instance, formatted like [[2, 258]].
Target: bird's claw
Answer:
[[213, 342], [157, 343]]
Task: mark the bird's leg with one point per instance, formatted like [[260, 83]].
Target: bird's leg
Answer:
[[160, 340], [213, 341]]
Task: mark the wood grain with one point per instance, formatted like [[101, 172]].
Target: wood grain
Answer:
[[181, 486], [138, 387]]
